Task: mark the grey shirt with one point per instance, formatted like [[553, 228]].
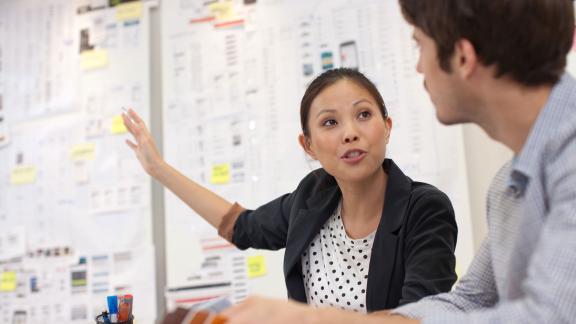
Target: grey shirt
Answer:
[[525, 270]]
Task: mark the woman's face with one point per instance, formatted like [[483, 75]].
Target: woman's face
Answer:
[[348, 134]]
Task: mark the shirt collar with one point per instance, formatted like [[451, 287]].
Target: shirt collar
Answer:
[[528, 161]]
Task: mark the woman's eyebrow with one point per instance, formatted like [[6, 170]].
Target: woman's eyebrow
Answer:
[[361, 101], [325, 110]]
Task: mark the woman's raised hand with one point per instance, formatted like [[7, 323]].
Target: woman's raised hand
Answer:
[[205, 202], [145, 147]]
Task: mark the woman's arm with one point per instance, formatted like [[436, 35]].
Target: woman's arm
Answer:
[[430, 244], [206, 203]]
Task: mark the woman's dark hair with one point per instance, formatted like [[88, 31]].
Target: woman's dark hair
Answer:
[[525, 39], [329, 78]]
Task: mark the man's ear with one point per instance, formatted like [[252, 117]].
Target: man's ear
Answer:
[[305, 143], [465, 58]]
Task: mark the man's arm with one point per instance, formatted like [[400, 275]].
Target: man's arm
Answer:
[[476, 290], [549, 291], [258, 310]]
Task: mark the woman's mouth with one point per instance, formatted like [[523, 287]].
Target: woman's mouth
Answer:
[[353, 156]]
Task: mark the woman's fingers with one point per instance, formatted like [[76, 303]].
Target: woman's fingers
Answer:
[[131, 144], [134, 116], [129, 124], [138, 125], [136, 128]]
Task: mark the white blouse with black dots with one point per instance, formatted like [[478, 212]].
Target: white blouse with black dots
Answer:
[[335, 267]]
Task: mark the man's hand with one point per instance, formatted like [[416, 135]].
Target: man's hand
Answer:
[[258, 310]]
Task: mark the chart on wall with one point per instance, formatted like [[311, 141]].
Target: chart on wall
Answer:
[[75, 212], [234, 73]]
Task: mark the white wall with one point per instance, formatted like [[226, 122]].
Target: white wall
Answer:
[[484, 157]]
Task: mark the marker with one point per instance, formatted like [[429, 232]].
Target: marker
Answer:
[[130, 301], [113, 308], [125, 308], [219, 319], [105, 317], [121, 309]]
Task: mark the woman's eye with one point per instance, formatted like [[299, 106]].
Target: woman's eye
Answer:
[[365, 114], [329, 122]]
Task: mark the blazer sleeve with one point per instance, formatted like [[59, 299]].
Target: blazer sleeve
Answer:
[[263, 228], [429, 250]]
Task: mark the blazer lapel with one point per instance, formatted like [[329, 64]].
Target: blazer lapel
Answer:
[[386, 239], [303, 228]]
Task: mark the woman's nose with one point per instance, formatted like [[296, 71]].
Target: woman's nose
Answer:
[[351, 134], [350, 138]]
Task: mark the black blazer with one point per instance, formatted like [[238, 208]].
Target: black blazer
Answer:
[[412, 253]]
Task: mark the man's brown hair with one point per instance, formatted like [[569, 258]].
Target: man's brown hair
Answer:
[[527, 40]]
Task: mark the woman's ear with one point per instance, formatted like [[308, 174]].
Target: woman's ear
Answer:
[[305, 143], [388, 122]]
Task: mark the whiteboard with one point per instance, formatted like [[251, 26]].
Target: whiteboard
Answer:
[[234, 73], [75, 216]]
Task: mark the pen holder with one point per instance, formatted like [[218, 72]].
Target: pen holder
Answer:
[[100, 320]]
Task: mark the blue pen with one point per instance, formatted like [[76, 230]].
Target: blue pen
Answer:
[[105, 318], [113, 308]]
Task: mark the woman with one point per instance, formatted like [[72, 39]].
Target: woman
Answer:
[[358, 233]]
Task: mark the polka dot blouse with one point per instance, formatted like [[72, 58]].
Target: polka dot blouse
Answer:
[[335, 267]]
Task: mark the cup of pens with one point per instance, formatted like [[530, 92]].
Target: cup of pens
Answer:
[[119, 311]]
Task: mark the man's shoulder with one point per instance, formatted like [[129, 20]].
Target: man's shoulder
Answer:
[[561, 142]]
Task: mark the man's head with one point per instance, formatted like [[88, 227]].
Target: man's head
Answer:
[[527, 40], [473, 52]]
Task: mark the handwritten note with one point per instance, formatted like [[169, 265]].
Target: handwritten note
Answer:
[[24, 174], [8, 281], [93, 59], [129, 11], [222, 10], [82, 152], [220, 174], [118, 125], [256, 266]]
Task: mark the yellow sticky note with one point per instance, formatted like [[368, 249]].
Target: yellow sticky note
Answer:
[[84, 151], [222, 10], [94, 59], [7, 281], [24, 174], [256, 266], [129, 11], [220, 174], [118, 125]]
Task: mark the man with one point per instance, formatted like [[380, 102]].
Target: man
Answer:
[[498, 64]]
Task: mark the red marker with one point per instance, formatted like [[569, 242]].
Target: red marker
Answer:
[[125, 308]]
